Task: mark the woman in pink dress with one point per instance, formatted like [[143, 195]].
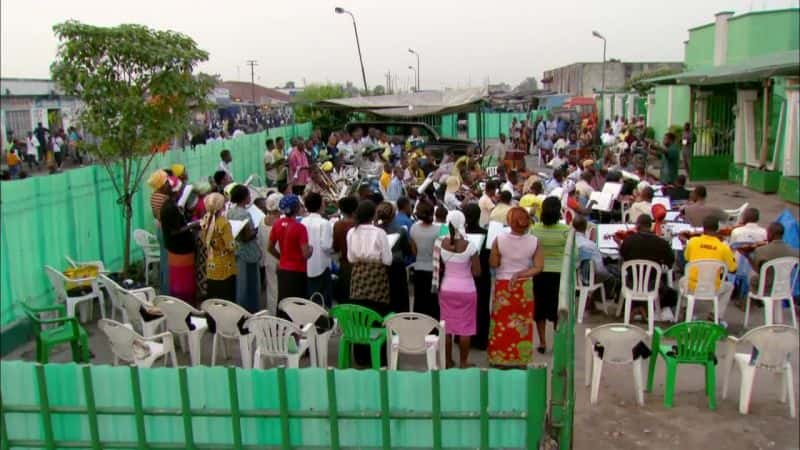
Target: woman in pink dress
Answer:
[[458, 297]]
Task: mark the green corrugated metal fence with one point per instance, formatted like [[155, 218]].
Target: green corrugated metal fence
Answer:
[[75, 213], [494, 123], [84, 406]]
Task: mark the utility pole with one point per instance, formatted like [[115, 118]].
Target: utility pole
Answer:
[[388, 82], [252, 63]]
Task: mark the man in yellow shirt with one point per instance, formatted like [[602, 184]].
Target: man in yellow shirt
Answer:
[[709, 246]]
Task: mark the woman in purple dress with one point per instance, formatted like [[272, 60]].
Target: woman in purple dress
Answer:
[[458, 296]]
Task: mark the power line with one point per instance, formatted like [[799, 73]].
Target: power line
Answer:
[[252, 63]]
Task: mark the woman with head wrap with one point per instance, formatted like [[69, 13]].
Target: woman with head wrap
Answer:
[[291, 237], [457, 296], [552, 237], [483, 281], [180, 244], [220, 249], [158, 183], [248, 254], [517, 258], [398, 277], [195, 210]]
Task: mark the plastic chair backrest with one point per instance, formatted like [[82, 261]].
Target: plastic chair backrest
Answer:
[[144, 238], [774, 344], [226, 316], [591, 231], [618, 341], [695, 341], [709, 272], [58, 281], [411, 329], [33, 316], [641, 271], [274, 336], [121, 338], [175, 310], [735, 214], [585, 267], [302, 311], [131, 303], [783, 273], [356, 322]]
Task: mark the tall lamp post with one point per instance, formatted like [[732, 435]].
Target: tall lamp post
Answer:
[[411, 50], [416, 86], [339, 10], [603, 82]]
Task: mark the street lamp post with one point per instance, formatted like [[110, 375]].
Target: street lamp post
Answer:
[[411, 50], [603, 82], [339, 10], [416, 84]]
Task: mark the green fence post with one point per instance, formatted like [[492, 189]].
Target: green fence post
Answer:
[[333, 408], [386, 430], [186, 409], [138, 409], [436, 409], [3, 430], [91, 408], [44, 404], [284, 412], [233, 393], [484, 409]]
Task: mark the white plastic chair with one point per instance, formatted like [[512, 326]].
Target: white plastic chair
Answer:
[[226, 316], [130, 346], [302, 312], [709, 273], [584, 290], [59, 283], [176, 312], [773, 345], [639, 290], [133, 302], [784, 277], [411, 333], [734, 215], [276, 337], [74, 264], [112, 288], [618, 341], [151, 249]]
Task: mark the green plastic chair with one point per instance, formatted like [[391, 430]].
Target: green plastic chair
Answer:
[[68, 330], [695, 343], [356, 323]]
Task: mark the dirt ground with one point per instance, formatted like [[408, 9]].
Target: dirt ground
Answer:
[[617, 422]]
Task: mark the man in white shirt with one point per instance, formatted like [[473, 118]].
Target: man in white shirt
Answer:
[[559, 160], [32, 150], [237, 133], [749, 231], [486, 202], [495, 153], [644, 206], [608, 138], [320, 239], [616, 127], [225, 162]]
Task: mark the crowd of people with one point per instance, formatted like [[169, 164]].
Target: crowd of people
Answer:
[[411, 222], [40, 148]]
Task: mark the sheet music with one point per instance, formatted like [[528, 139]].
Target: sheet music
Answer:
[[612, 189], [187, 191], [256, 215], [493, 230], [630, 176], [605, 234], [237, 226], [393, 238], [662, 201], [557, 192], [603, 201], [672, 216]]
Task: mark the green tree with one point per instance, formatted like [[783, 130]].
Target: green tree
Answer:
[[138, 89], [306, 109], [289, 85], [528, 84], [379, 90]]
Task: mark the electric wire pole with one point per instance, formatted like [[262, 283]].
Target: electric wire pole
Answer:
[[252, 63]]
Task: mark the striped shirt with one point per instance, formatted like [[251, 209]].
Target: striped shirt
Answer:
[[553, 239], [157, 200]]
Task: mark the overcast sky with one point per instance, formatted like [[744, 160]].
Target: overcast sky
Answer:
[[461, 42]]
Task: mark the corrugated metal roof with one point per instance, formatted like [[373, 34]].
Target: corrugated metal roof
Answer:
[[754, 69]]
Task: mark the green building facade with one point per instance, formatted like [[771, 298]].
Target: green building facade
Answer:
[[740, 93]]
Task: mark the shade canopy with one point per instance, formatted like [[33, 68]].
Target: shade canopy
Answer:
[[757, 68], [412, 104]]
